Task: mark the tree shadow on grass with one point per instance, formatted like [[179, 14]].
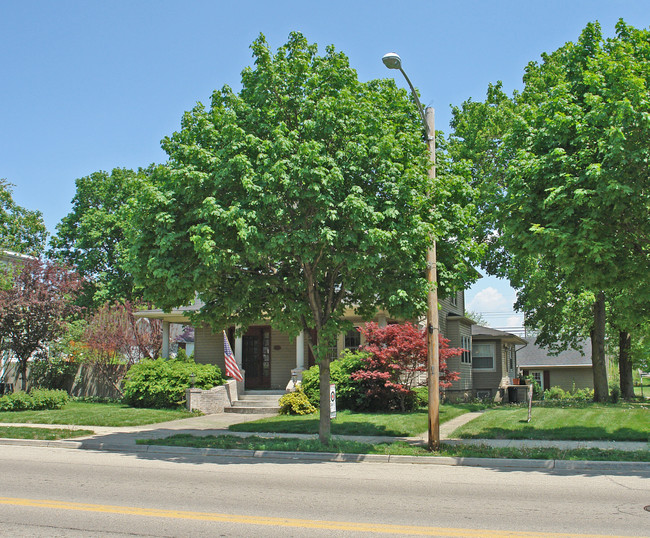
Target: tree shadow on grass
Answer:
[[310, 426]]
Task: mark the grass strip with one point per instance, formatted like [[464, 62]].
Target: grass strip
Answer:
[[352, 423], [398, 448], [45, 434], [94, 414], [621, 422]]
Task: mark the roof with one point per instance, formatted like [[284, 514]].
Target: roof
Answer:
[[480, 332], [457, 317], [177, 315], [536, 356]]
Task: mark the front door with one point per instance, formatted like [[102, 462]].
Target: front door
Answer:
[[256, 359]]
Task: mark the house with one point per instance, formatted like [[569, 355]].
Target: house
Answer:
[[566, 370], [494, 363], [270, 359]]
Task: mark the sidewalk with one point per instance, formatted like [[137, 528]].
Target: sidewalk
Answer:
[[123, 439]]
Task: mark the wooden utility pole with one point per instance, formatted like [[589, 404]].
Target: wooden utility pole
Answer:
[[393, 61], [433, 351]]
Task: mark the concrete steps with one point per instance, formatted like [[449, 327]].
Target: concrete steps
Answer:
[[257, 402]]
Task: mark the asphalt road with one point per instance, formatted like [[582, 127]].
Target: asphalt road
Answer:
[[60, 492]]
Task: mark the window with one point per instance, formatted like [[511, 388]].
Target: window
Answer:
[[453, 299], [352, 339], [483, 356], [466, 357]]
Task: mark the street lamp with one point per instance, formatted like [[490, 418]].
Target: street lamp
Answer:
[[393, 61]]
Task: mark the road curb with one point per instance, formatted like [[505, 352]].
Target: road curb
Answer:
[[323, 457]]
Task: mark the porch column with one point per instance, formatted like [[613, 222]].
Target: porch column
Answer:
[[165, 339], [239, 346], [300, 351], [381, 320]]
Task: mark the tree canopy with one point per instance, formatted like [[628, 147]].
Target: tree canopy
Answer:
[[567, 183], [91, 237], [21, 230], [301, 195]]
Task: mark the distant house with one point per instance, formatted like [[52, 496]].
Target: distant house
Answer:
[[494, 361], [566, 370]]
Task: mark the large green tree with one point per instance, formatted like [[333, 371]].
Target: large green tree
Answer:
[[301, 195], [569, 176], [91, 237], [21, 230]]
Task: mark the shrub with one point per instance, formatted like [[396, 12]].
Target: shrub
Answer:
[[575, 395], [34, 400], [348, 391], [422, 396], [52, 372], [556, 393], [397, 356], [296, 403], [182, 355], [537, 388], [162, 383]]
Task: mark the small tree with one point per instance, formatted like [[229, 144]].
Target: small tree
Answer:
[[34, 311], [116, 340], [397, 355]]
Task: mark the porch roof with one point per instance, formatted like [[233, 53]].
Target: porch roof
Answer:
[[176, 315]]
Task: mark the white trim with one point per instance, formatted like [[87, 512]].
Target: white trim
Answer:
[[300, 351], [165, 339]]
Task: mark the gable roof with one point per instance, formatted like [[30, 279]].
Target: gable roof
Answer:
[[536, 356]]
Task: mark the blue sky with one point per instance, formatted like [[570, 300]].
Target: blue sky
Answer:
[[90, 85]]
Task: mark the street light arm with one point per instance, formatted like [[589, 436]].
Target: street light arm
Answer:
[[417, 102]]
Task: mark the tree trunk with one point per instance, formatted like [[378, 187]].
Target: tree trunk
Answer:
[[23, 375], [625, 366], [324, 426], [598, 350]]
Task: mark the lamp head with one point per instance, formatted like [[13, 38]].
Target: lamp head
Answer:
[[392, 60]]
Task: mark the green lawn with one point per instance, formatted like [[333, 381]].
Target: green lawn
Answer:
[[401, 448], [351, 423], [94, 414], [621, 422], [47, 434]]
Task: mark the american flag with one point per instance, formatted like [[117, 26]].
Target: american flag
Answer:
[[232, 370]]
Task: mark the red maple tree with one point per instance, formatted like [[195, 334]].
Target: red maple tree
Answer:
[[397, 356], [35, 309], [117, 339]]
